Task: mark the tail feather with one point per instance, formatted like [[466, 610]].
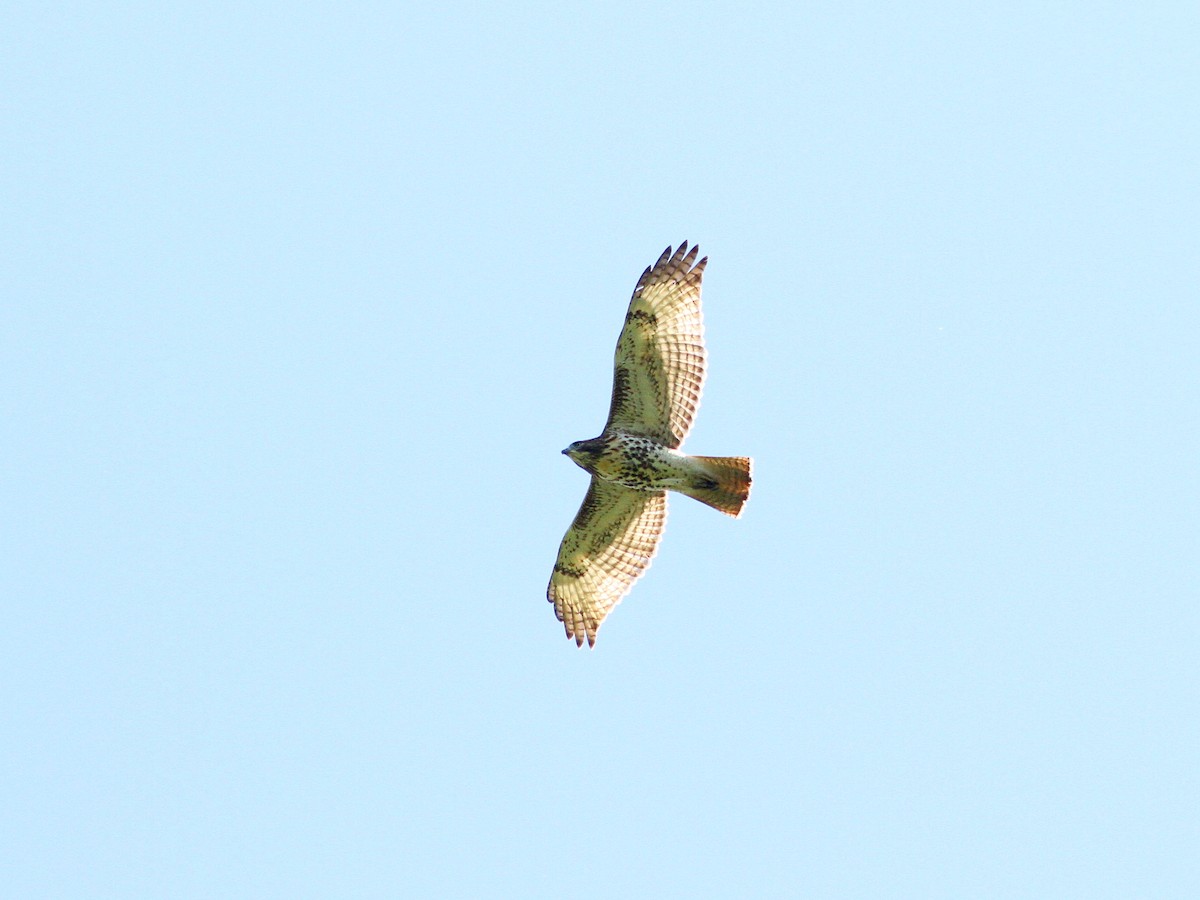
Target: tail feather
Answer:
[[722, 482]]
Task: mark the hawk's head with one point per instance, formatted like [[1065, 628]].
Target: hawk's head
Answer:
[[584, 453]]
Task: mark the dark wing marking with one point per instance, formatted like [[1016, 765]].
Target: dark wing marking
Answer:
[[660, 360], [609, 545]]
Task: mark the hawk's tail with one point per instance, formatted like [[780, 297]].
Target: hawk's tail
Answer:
[[722, 482]]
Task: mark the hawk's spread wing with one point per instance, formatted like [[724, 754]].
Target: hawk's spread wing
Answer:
[[659, 368], [609, 545]]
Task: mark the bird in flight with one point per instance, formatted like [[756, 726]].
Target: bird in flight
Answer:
[[657, 379]]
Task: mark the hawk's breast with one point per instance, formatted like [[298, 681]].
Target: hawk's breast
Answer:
[[640, 462]]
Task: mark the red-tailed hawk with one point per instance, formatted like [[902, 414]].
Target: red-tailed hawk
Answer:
[[657, 379]]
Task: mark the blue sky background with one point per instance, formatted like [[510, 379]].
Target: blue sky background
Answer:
[[302, 301]]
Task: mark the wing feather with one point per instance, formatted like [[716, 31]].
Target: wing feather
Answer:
[[659, 368], [607, 548]]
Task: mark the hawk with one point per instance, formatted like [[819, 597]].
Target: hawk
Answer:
[[657, 378]]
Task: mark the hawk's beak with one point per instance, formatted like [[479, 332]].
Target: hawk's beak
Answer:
[[565, 451]]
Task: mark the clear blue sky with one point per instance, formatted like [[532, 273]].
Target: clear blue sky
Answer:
[[300, 303]]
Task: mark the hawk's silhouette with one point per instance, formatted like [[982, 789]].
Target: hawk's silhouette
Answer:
[[657, 379]]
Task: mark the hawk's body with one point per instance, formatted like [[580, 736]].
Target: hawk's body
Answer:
[[658, 375]]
